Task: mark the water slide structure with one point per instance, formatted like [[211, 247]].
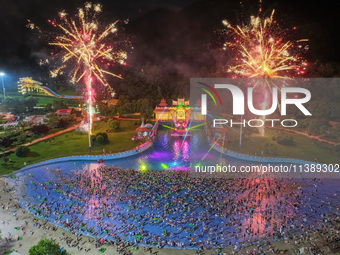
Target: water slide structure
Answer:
[[28, 85]]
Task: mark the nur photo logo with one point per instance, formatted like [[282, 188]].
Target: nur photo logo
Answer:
[[280, 99]]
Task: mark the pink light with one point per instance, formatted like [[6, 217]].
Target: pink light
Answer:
[[177, 146]]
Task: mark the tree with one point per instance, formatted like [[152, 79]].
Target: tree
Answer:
[[12, 102], [123, 109], [59, 104], [21, 138], [100, 139], [30, 103], [103, 108], [76, 113], [52, 120], [47, 247], [317, 127], [40, 129], [6, 141], [113, 124], [63, 123], [4, 159], [48, 108], [145, 107], [108, 110], [285, 140], [22, 151]]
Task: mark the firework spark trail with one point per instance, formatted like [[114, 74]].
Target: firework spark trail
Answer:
[[82, 46], [262, 50]]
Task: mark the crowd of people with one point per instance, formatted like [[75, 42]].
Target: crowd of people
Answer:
[[175, 209]]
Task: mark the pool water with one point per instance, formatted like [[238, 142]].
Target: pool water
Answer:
[[168, 208]]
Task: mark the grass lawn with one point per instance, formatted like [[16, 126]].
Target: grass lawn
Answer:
[[13, 94], [303, 147], [74, 143], [68, 92], [43, 100]]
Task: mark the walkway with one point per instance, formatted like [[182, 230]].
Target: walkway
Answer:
[[46, 137], [307, 135]]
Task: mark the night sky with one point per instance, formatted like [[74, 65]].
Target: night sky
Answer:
[[18, 43], [187, 23]]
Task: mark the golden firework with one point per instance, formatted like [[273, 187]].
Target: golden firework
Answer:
[[262, 50], [83, 45]]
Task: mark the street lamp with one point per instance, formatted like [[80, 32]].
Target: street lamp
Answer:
[[2, 74]]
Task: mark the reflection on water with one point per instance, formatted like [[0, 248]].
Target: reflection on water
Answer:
[[173, 152], [171, 208]]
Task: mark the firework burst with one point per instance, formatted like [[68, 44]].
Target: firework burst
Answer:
[[261, 50], [83, 45], [83, 48]]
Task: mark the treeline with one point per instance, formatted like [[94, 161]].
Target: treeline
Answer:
[[143, 106], [27, 132], [28, 106]]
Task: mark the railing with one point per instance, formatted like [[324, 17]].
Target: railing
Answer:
[[261, 159], [251, 158]]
